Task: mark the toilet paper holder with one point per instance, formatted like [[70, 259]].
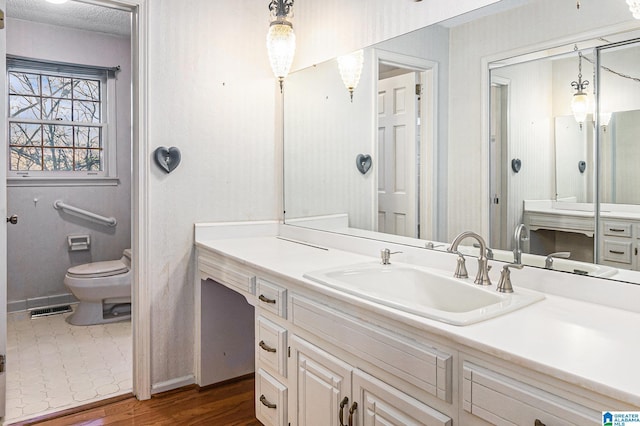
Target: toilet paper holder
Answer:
[[79, 242]]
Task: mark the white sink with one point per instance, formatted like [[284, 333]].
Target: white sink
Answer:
[[424, 292]]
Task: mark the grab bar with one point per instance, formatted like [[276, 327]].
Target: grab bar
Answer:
[[109, 221]]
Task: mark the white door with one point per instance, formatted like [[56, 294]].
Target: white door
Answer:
[[397, 155], [498, 154], [321, 384], [3, 213]]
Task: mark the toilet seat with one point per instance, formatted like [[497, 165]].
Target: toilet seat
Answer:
[[98, 269]]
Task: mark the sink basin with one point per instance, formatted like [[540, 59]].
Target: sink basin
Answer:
[[424, 292]]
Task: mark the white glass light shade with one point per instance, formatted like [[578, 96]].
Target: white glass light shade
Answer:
[[580, 107], [350, 67], [281, 46], [605, 118], [634, 7]]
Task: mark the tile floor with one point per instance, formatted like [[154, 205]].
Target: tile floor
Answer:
[[53, 366]]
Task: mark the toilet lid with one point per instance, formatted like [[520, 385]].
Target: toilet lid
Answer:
[[99, 269]]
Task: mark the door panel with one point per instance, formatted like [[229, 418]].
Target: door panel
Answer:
[[321, 383], [397, 154]]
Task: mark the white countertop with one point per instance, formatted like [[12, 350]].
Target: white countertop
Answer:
[[607, 211], [585, 344]]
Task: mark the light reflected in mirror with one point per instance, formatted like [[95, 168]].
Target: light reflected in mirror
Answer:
[[527, 105]]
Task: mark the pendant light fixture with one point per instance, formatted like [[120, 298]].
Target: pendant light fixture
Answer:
[[580, 101], [350, 67], [281, 41]]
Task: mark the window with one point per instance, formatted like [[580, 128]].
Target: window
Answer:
[[58, 120]]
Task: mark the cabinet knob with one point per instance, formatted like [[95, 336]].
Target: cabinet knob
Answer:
[[265, 299], [343, 404], [266, 347], [538, 423], [266, 403]]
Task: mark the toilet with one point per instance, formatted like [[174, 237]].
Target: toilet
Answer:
[[103, 290]]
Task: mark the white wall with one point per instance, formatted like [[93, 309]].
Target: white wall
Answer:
[[328, 28], [325, 132], [212, 94], [530, 136], [38, 256]]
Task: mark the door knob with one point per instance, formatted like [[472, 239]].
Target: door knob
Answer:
[[13, 219]]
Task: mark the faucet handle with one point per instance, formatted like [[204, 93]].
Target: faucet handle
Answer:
[[548, 262], [461, 268], [504, 283]]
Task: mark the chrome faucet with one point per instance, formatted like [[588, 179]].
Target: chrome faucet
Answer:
[[482, 277], [385, 256], [548, 261], [521, 234]]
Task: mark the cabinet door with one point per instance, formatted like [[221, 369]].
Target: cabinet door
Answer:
[[320, 383], [381, 404]]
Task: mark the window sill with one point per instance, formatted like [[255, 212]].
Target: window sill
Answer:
[[52, 181]]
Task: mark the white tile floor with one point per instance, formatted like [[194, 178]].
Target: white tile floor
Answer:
[[53, 366]]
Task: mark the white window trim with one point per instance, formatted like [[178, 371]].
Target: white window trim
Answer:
[[108, 176]]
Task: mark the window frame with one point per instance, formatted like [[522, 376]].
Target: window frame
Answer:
[[107, 76]]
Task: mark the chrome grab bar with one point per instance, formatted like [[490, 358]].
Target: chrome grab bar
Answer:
[[109, 221]]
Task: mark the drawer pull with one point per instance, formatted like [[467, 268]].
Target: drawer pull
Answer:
[[616, 229], [538, 423], [616, 252], [352, 410], [343, 404], [266, 403], [265, 299], [266, 347]]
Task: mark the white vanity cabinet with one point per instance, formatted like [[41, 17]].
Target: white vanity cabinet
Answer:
[[619, 241], [323, 359]]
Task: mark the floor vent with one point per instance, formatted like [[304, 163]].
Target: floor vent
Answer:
[[52, 310]]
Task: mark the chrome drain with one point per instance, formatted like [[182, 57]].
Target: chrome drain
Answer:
[[52, 310]]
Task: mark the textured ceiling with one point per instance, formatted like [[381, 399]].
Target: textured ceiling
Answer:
[[72, 15]]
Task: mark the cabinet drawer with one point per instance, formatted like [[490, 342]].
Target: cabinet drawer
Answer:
[[620, 229], [423, 366], [271, 400], [499, 399], [210, 269], [384, 404], [617, 251], [272, 297], [271, 345]]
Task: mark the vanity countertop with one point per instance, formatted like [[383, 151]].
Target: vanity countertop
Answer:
[[585, 344]]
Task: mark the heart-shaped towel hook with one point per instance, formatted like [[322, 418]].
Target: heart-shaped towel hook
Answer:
[[363, 163], [167, 158]]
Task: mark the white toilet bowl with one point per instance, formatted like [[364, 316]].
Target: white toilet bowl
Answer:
[[103, 290]]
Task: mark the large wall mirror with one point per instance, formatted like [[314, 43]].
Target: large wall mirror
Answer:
[[468, 125]]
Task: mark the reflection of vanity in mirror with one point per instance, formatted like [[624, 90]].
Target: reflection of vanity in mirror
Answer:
[[488, 142]]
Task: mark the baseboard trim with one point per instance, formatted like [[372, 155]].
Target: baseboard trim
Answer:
[[172, 384], [225, 382]]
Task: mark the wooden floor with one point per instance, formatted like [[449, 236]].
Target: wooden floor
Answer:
[[227, 405]]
